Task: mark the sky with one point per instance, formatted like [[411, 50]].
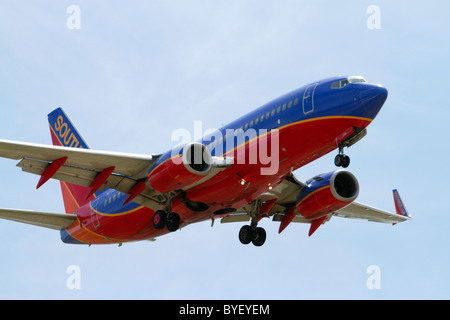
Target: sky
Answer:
[[130, 73]]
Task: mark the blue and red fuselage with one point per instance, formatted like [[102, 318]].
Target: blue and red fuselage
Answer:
[[309, 122]]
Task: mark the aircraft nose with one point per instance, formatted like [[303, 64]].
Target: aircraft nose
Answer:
[[375, 92], [373, 99]]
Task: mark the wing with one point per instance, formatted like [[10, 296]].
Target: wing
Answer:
[[286, 192], [125, 164], [82, 165], [358, 210], [285, 195], [42, 219]]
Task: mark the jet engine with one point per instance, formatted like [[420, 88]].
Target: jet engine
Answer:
[[327, 193], [190, 165]]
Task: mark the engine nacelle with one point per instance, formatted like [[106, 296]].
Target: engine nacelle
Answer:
[[327, 193], [185, 168]]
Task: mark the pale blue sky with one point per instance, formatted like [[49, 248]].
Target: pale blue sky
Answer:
[[138, 70]]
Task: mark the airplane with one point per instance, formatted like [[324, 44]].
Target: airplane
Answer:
[[242, 172]]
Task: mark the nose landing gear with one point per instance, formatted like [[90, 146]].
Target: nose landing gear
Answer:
[[342, 160]]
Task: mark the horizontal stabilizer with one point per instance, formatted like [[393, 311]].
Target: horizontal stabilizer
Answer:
[[41, 219]]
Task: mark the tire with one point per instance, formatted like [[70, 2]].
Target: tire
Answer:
[[159, 219], [259, 237], [246, 235], [339, 160], [173, 221], [346, 162]]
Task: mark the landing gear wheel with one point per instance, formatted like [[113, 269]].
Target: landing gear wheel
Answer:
[[338, 160], [346, 161], [246, 234], [259, 237], [159, 219], [256, 236], [173, 221], [341, 160]]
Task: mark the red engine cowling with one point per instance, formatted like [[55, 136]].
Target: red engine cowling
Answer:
[[187, 167], [327, 193]]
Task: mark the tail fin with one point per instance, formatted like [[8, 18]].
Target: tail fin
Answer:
[[63, 131], [65, 134]]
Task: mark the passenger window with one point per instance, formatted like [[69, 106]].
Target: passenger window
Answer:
[[267, 115], [284, 106], [295, 101], [278, 109], [272, 113], [290, 104]]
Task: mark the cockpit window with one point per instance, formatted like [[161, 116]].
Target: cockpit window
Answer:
[[339, 84], [356, 79], [342, 83]]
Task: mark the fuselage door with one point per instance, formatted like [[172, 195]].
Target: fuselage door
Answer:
[[308, 98]]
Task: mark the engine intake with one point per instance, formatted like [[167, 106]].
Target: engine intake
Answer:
[[344, 186], [197, 158], [327, 193], [185, 168]]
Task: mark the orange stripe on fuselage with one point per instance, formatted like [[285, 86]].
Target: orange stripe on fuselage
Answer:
[[87, 236], [278, 128]]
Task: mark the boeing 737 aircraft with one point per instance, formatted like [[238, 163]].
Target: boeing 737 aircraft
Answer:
[[242, 172]]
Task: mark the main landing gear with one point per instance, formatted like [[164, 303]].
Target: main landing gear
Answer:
[[249, 234], [170, 220], [252, 233]]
